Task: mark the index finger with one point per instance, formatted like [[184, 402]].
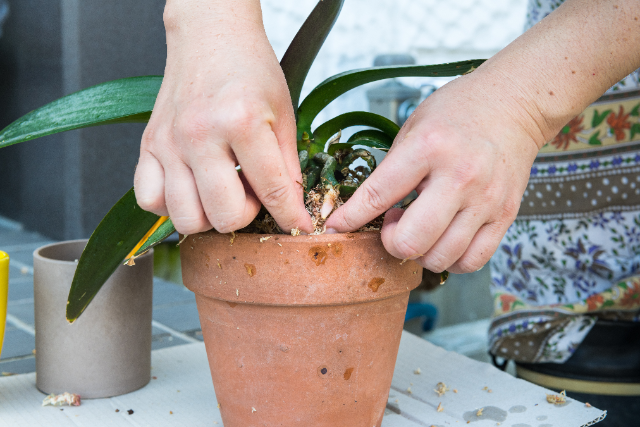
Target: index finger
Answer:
[[265, 169], [399, 174]]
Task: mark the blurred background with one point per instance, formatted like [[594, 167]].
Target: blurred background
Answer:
[[60, 186]]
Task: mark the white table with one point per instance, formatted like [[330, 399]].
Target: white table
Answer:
[[182, 395]]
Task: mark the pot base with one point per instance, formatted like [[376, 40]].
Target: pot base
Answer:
[[330, 366]]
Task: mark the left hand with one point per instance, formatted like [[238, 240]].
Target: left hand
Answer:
[[467, 150]]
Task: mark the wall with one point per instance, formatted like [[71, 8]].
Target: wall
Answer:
[[62, 185], [433, 31]]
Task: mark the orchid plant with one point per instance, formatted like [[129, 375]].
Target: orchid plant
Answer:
[[127, 231]]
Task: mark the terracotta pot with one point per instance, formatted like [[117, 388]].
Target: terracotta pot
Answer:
[[107, 351], [299, 330]]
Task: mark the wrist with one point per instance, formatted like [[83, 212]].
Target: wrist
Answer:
[[212, 17], [506, 98]]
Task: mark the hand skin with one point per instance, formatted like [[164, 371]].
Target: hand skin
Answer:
[[223, 102], [469, 147]]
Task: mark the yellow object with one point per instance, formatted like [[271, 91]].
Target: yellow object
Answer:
[[579, 386], [142, 241], [4, 292]]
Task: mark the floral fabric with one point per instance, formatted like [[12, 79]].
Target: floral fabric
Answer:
[[573, 254]]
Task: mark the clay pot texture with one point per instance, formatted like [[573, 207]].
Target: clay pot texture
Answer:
[[299, 331], [107, 351]]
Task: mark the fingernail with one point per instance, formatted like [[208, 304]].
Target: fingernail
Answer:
[[331, 231]]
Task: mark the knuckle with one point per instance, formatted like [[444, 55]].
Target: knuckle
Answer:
[[471, 262], [407, 246], [227, 222], [148, 136], [170, 17], [150, 204], [189, 224], [372, 199], [195, 127], [243, 114], [435, 261], [510, 209], [467, 173], [275, 195]]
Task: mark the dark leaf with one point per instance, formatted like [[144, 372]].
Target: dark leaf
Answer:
[[335, 86], [302, 51], [118, 101], [117, 234], [356, 118]]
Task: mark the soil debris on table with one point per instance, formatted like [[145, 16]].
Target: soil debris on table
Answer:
[[69, 399], [440, 408], [441, 388], [417, 371], [130, 411], [479, 413], [557, 399]]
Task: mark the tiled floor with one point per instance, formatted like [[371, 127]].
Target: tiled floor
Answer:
[[175, 317]]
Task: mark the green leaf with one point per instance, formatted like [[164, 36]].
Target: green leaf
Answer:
[[634, 111], [635, 129], [608, 303], [380, 139], [594, 139], [335, 86], [116, 235], [302, 51], [119, 101], [356, 118], [369, 138], [599, 118]]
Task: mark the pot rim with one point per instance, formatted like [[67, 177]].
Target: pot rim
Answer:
[[38, 255], [288, 270]]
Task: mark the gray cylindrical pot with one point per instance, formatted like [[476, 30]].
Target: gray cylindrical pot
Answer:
[[107, 351]]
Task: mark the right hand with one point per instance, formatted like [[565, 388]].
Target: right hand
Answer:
[[224, 102]]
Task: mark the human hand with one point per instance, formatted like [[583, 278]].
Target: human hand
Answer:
[[223, 102], [467, 150]]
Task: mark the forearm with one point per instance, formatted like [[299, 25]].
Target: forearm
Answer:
[[564, 63]]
